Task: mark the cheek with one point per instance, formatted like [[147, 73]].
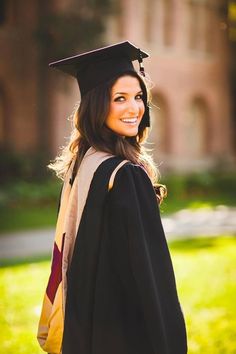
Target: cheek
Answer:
[[115, 108], [114, 113]]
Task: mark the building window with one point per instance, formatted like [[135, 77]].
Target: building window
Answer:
[[210, 29], [194, 21], [196, 130], [2, 11], [168, 21], [9, 12], [119, 18], [149, 17], [2, 121], [3, 118], [201, 26]]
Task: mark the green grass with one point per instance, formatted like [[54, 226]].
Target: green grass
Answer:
[[173, 204], [206, 277], [28, 205], [21, 293], [27, 217], [206, 274]]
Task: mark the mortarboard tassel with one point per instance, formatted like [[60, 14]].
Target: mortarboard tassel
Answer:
[[141, 67]]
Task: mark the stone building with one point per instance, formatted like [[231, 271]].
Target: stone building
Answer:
[[189, 60], [187, 40]]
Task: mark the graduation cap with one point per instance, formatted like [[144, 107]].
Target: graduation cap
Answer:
[[101, 65]]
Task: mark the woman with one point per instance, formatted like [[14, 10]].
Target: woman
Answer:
[[112, 288]]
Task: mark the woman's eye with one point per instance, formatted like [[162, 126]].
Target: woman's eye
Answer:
[[119, 99], [123, 98], [139, 97]]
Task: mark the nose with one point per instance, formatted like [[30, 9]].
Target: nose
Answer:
[[133, 106]]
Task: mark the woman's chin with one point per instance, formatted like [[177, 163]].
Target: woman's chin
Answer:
[[132, 131]]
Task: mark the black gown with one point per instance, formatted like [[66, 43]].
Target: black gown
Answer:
[[122, 296]]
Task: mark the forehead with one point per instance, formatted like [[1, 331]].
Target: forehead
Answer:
[[126, 83]]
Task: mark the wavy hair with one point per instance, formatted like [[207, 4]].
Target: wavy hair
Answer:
[[89, 129]]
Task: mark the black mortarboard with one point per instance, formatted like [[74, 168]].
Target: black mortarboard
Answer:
[[101, 65]]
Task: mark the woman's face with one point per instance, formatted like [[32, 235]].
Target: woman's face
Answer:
[[126, 106]]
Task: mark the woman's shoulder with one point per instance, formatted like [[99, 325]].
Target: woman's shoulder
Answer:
[[133, 170], [131, 186], [129, 173]]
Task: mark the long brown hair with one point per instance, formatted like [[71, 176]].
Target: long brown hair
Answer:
[[90, 130]]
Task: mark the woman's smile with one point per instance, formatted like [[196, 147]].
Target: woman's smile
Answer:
[[131, 121]]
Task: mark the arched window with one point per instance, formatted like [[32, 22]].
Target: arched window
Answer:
[[158, 137], [196, 129]]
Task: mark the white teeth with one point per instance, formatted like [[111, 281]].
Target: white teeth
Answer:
[[129, 120]]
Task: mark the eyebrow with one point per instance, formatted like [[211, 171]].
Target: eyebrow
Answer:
[[125, 93]]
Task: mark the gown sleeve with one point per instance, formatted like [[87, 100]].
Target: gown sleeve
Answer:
[[139, 252]]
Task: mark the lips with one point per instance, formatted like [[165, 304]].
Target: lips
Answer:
[[130, 120]]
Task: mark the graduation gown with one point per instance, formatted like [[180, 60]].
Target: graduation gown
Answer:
[[121, 295]]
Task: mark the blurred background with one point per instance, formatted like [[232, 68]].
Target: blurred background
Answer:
[[192, 44]]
